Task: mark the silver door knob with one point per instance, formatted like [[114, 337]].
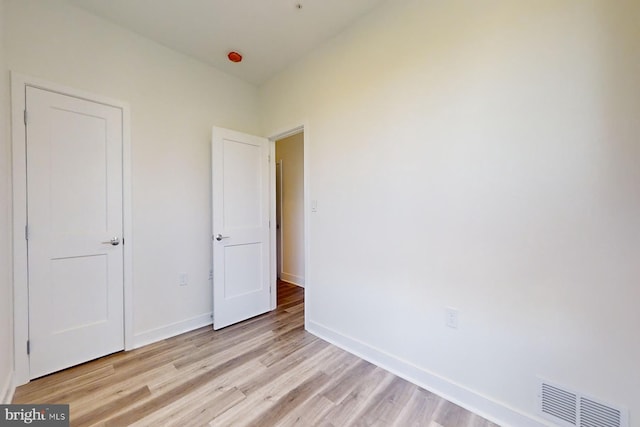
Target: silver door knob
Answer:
[[114, 242], [220, 237]]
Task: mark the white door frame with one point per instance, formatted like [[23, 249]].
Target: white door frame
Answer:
[[304, 127], [19, 82], [279, 227]]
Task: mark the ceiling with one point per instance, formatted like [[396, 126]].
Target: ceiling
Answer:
[[270, 34]]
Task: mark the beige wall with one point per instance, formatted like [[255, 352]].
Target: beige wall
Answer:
[[174, 102], [6, 290], [290, 151], [483, 156]]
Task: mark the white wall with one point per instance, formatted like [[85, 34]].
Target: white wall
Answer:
[[174, 102], [290, 151], [6, 289], [484, 156]]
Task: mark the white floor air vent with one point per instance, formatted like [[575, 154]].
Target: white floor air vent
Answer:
[[567, 407]]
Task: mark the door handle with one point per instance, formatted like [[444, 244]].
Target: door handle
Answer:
[[219, 237], [113, 242]]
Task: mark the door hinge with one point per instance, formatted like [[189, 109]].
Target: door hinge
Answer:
[[28, 347], [26, 232], [25, 117]]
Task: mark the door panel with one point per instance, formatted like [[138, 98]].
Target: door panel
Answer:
[[77, 204], [242, 185], [241, 285], [243, 269], [92, 272], [74, 196]]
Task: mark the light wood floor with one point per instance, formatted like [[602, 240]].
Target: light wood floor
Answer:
[[266, 371]]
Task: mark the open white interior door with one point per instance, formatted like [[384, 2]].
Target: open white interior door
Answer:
[[241, 245]]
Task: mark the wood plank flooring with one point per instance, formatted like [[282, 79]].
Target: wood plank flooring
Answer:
[[266, 371]]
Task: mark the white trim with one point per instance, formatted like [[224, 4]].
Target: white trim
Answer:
[[292, 278], [127, 227], [7, 390], [306, 173], [471, 400], [19, 171], [172, 330], [279, 233], [287, 132], [273, 246]]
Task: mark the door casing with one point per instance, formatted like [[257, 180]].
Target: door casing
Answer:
[[19, 82], [279, 165]]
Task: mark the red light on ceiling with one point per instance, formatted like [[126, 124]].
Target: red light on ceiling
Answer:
[[234, 57]]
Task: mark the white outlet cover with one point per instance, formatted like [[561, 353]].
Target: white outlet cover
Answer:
[[183, 279], [451, 317]]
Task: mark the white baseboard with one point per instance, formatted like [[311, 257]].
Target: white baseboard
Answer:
[[168, 331], [7, 390], [475, 402], [292, 278]]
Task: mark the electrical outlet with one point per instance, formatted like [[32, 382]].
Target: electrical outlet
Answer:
[[183, 279], [451, 317]]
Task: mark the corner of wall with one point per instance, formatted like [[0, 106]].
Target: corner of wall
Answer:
[[471, 400], [7, 386]]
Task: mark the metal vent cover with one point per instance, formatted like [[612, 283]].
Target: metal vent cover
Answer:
[[567, 407], [595, 414], [559, 403]]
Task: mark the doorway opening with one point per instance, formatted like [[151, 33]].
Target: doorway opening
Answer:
[[290, 213]]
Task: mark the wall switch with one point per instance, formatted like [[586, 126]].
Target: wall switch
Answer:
[[183, 279], [314, 206], [451, 317]]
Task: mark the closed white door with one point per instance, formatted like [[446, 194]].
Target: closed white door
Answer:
[[74, 214], [241, 249]]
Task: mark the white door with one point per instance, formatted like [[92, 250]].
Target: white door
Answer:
[[241, 248], [74, 196]]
